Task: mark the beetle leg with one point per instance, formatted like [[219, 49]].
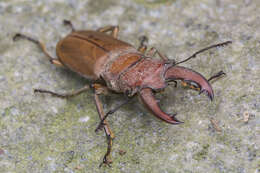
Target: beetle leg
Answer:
[[143, 44], [109, 134], [68, 22], [114, 30], [41, 45], [154, 51], [204, 49], [65, 95], [101, 123]]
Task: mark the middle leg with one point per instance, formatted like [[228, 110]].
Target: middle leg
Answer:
[[109, 134], [65, 95]]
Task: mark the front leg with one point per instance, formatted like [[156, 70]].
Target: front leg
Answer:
[[109, 134], [153, 51]]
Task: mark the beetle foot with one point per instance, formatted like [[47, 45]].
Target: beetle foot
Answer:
[[143, 40], [16, 36], [99, 127], [19, 35], [106, 161], [143, 44]]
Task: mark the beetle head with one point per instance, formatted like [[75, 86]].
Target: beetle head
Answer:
[[172, 74]]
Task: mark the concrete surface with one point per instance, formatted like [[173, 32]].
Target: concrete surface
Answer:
[[41, 133]]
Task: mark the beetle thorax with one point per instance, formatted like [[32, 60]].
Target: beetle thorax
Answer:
[[148, 73], [139, 72]]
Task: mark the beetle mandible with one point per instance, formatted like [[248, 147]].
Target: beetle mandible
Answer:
[[99, 56]]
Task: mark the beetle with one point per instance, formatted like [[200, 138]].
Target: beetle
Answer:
[[104, 59]]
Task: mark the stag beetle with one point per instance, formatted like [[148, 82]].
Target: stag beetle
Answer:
[[99, 56]]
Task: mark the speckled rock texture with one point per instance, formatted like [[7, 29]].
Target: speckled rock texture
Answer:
[[41, 133]]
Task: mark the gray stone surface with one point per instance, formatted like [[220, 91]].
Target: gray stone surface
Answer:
[[40, 133]]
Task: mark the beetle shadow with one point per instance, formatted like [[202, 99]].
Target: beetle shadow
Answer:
[[73, 77]]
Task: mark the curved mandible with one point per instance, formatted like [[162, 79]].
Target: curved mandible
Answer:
[[186, 74], [150, 102]]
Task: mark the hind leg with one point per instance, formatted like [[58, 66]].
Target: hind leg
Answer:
[[42, 47]]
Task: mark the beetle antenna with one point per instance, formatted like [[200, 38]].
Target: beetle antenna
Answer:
[[204, 49]]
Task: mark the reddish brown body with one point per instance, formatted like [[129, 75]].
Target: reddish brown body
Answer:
[[96, 55], [100, 56]]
